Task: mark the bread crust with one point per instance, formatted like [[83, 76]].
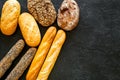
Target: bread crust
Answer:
[[68, 15]]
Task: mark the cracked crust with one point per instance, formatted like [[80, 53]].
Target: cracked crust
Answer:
[[68, 15], [43, 11]]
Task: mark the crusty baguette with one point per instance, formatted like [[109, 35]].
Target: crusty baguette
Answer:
[[41, 54], [6, 62], [52, 55], [22, 65]]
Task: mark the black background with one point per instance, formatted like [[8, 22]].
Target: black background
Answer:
[[91, 50]]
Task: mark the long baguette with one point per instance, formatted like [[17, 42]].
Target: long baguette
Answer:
[[22, 65], [52, 55], [41, 54], [6, 62]]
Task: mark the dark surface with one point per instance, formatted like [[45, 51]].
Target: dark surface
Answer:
[[91, 51]]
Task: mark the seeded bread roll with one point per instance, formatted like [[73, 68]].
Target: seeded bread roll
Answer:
[[43, 11]]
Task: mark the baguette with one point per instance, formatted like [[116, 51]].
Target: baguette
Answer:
[[41, 54], [52, 55], [6, 62], [22, 65]]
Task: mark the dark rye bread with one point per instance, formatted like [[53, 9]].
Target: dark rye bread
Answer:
[[68, 15], [7, 60], [43, 11], [22, 65]]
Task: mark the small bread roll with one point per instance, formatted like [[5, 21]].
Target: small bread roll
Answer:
[[9, 16], [43, 11], [68, 15]]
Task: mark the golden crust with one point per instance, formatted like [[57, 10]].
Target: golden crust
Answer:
[[41, 54], [29, 29], [9, 18], [52, 55]]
